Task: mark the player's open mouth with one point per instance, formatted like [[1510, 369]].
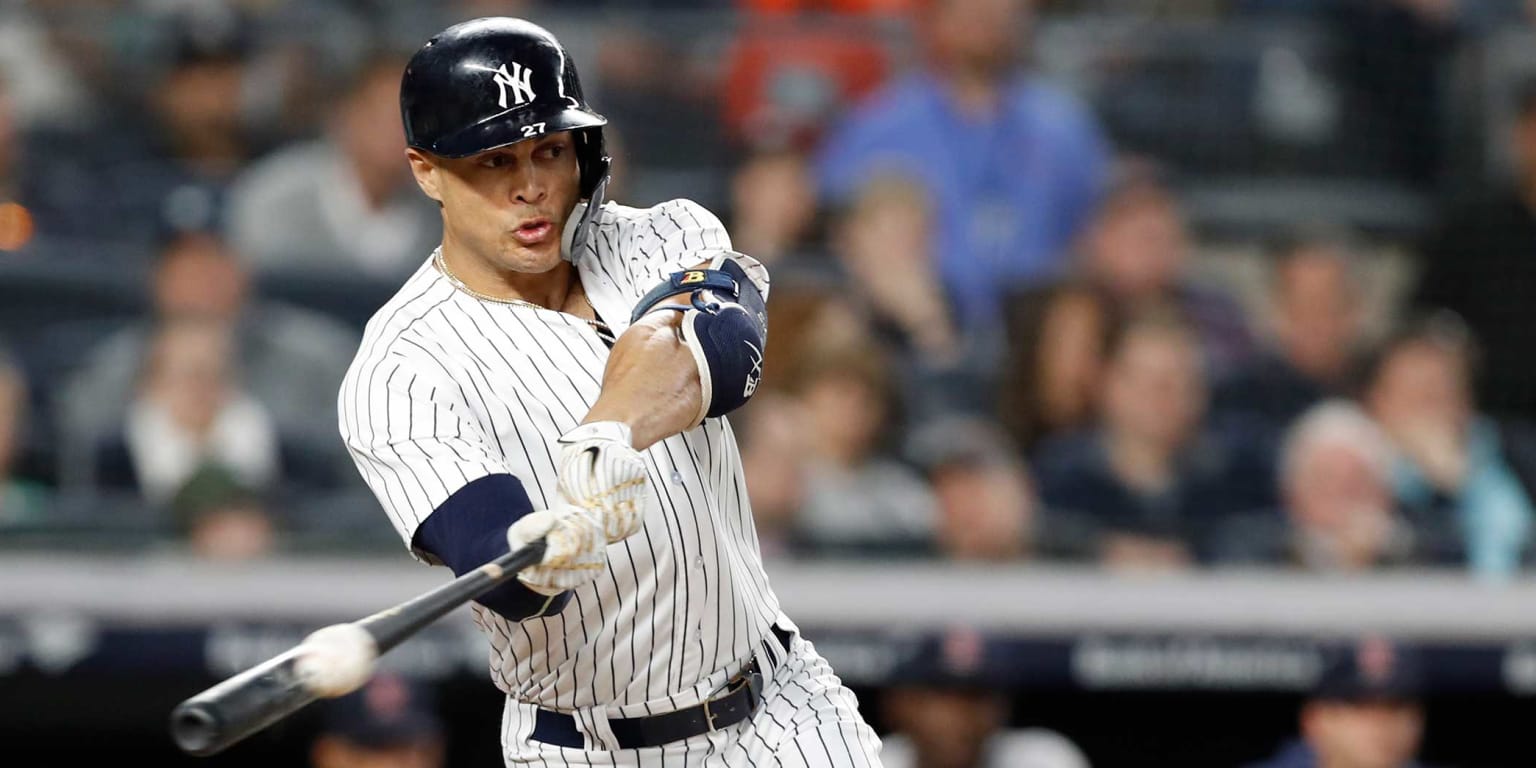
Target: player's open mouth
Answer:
[[533, 231]]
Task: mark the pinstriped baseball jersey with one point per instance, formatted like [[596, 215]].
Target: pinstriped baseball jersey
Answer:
[[447, 388]]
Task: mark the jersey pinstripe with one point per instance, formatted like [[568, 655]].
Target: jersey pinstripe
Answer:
[[447, 388]]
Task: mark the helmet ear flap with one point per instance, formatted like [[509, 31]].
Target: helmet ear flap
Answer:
[[594, 165], [593, 159]]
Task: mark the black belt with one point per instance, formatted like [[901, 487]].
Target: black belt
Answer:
[[739, 701]]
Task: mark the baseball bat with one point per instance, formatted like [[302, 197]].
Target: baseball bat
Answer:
[[211, 721]]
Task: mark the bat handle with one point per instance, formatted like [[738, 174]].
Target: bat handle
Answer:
[[390, 627]]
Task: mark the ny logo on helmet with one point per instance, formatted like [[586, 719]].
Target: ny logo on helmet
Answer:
[[518, 81]]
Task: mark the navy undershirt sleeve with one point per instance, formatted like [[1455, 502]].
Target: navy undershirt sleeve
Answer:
[[469, 529]]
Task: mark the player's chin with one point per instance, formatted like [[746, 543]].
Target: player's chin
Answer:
[[531, 257]]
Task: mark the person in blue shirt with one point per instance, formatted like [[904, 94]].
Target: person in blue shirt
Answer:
[[1012, 166], [1463, 478]]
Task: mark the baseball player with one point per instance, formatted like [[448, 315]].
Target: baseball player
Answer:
[[561, 367]]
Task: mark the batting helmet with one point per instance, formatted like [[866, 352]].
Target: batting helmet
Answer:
[[493, 82]]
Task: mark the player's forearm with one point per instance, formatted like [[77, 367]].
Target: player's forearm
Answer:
[[651, 382]]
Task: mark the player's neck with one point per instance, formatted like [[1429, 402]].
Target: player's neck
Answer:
[[551, 289]]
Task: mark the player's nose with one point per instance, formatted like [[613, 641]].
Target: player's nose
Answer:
[[529, 185]]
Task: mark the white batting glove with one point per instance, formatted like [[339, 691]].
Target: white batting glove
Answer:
[[573, 548], [601, 471]]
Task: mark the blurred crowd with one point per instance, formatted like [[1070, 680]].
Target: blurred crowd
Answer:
[[1270, 307], [1003, 328]]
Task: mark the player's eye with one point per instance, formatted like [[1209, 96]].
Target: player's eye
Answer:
[[495, 161], [554, 150]]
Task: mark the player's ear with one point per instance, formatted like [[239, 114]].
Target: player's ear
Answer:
[[425, 172]]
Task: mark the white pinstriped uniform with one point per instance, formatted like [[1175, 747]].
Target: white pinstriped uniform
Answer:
[[447, 388]]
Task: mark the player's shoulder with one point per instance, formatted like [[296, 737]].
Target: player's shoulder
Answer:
[[629, 237], [675, 214], [394, 325]]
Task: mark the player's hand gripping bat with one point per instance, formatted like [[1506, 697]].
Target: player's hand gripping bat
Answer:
[[331, 662]]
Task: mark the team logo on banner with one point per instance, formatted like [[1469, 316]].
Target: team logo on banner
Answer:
[[519, 80]]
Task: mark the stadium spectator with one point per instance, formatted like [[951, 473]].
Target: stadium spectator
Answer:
[[774, 208], [1137, 251], [1479, 16], [1011, 165], [786, 77], [665, 104], [1476, 264], [856, 498], [1336, 490], [1459, 475], [772, 458], [197, 140], [346, 203], [1318, 330], [22, 190], [944, 712], [1364, 711], [10, 149], [986, 504], [221, 518], [46, 80], [867, 7], [1149, 475], [190, 409], [292, 360], [880, 243], [805, 314], [1057, 337], [953, 727], [20, 501], [389, 723]]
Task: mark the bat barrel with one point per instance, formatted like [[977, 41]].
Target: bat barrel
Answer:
[[252, 700], [240, 706]]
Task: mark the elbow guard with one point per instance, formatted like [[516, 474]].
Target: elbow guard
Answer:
[[725, 325], [728, 349]]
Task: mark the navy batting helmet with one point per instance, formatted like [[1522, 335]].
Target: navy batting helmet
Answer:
[[493, 82]]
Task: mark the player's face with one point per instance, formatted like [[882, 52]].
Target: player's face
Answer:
[[508, 206]]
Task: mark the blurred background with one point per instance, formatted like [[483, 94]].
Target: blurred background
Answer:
[[1150, 380]]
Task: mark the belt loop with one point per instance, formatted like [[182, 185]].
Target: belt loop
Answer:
[[524, 719], [768, 659], [595, 722]]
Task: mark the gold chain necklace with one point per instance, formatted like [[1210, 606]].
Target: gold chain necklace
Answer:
[[442, 266]]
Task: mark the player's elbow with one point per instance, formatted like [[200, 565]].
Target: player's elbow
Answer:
[[726, 343]]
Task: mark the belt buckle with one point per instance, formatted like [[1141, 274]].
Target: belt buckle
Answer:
[[709, 714], [750, 679]]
